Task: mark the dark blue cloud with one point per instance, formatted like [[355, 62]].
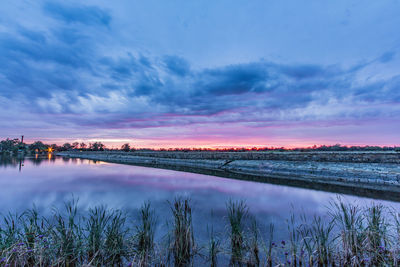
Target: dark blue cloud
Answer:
[[32, 35], [177, 65], [69, 36], [67, 69], [41, 50], [77, 14], [35, 66], [382, 91], [236, 79], [303, 71], [77, 72], [120, 69], [145, 61], [388, 56], [263, 85]]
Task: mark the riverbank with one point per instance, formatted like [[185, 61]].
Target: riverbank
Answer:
[[369, 174]]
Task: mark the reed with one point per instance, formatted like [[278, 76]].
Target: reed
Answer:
[[396, 236], [294, 242], [144, 237], [95, 227], [183, 246], [115, 248], [269, 245], [66, 235], [322, 239], [254, 245], [376, 235], [308, 244], [237, 213], [349, 222], [33, 228], [213, 248], [9, 230], [347, 235]]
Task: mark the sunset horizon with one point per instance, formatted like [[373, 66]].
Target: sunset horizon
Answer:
[[113, 144], [201, 75]]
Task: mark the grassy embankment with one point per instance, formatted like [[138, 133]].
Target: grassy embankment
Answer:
[[347, 236]]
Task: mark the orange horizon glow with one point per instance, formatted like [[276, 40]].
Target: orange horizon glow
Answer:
[[203, 144]]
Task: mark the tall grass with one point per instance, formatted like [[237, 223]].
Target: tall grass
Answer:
[[322, 239], [66, 235], [183, 246], [269, 245], [347, 235], [376, 235], [254, 245], [33, 227], [95, 227], [349, 221], [213, 248], [294, 238], [396, 237], [144, 237], [115, 247], [9, 230], [237, 213]]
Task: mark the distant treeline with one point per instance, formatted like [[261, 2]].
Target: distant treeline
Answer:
[[15, 145], [336, 147]]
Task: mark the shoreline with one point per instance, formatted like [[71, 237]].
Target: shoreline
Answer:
[[372, 180]]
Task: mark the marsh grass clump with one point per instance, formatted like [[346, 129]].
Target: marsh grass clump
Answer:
[[294, 238], [321, 237], [115, 249], [348, 220], [269, 245], [377, 239], [144, 236], [9, 230], [10, 239], [237, 213], [34, 230], [213, 248], [396, 236], [363, 235], [307, 243], [254, 245], [67, 235], [183, 246], [95, 226]]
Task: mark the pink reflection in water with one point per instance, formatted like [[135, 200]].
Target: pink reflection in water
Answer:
[[49, 182]]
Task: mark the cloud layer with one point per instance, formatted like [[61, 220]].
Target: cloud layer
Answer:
[[72, 75]]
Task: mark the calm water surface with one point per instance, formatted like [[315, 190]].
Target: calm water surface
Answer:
[[48, 182]]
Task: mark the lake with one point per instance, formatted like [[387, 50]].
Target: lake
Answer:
[[47, 182]]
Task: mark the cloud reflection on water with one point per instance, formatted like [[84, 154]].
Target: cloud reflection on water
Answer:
[[49, 183]]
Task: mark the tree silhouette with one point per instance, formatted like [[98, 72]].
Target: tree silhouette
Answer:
[[125, 147]]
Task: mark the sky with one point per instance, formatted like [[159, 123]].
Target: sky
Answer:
[[201, 73]]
